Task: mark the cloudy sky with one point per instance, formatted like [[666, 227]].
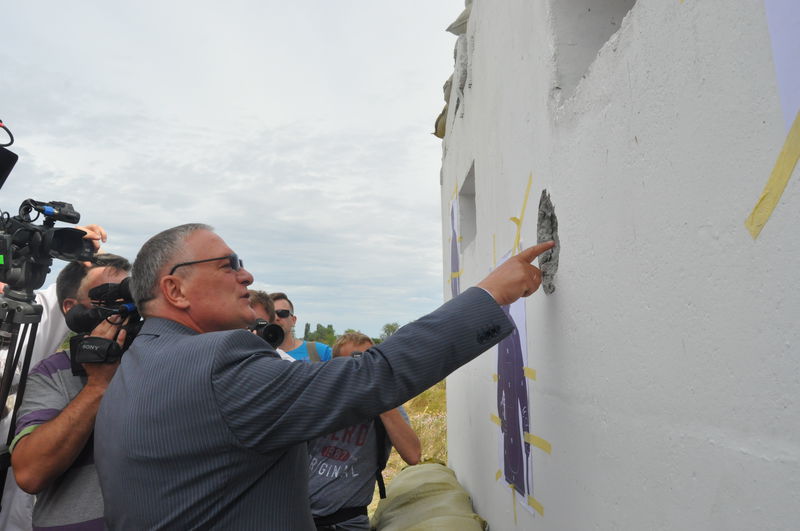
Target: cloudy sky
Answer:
[[300, 130]]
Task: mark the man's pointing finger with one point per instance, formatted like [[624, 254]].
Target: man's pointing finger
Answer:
[[530, 254]]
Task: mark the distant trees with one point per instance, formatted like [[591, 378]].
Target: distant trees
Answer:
[[323, 334], [327, 335], [389, 329]]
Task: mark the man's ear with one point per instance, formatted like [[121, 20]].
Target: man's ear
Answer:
[[172, 289], [68, 304]]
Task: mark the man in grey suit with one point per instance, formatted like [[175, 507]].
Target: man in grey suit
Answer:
[[204, 426]]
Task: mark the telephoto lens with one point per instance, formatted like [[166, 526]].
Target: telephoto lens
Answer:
[[271, 333]]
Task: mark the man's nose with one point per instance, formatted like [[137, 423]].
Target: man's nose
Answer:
[[245, 277]]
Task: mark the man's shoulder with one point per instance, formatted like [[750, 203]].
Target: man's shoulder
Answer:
[[173, 332], [51, 365]]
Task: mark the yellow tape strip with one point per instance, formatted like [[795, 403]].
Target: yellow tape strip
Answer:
[[455, 190], [529, 373], [456, 274], [494, 418], [518, 221], [536, 505], [784, 166], [538, 442], [494, 251], [498, 475], [495, 377], [514, 502]]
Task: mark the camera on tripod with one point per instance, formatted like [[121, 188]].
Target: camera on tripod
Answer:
[[108, 300], [27, 250], [26, 254]]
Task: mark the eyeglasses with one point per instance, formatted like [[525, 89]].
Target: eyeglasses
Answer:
[[235, 263], [283, 314]]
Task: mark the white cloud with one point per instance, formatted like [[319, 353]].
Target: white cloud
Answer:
[[300, 130]]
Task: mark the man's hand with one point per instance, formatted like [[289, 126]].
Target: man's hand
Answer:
[[100, 374], [97, 234], [516, 277]]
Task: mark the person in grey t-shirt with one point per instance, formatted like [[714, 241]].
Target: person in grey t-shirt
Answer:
[[51, 454], [342, 465]]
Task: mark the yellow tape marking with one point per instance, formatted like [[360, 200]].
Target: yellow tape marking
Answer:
[[455, 275], [495, 377], [494, 251], [538, 442], [498, 475], [784, 166], [518, 221], [494, 418], [455, 190], [529, 373], [514, 502], [536, 505]]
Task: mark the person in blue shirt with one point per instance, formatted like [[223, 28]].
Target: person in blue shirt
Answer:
[[299, 349]]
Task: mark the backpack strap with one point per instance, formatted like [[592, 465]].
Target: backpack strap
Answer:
[[311, 347], [383, 455]]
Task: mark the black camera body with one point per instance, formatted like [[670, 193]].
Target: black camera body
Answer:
[[108, 300], [271, 333], [27, 250]]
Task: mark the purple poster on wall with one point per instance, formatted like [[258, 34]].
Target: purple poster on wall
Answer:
[[783, 19], [516, 463], [512, 405]]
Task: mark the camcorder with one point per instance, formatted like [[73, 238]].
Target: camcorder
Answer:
[[108, 300], [271, 333], [27, 250]]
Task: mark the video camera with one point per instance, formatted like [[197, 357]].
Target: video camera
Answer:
[[27, 250], [107, 300]]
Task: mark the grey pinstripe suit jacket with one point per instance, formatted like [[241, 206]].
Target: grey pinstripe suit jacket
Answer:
[[208, 430]]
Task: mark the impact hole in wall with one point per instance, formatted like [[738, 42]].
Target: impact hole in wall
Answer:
[[466, 209], [547, 230], [581, 28]]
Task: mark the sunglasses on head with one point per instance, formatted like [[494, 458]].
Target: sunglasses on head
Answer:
[[283, 314], [233, 259]]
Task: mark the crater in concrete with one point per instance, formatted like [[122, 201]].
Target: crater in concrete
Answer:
[[547, 230]]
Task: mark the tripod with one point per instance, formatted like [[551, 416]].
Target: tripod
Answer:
[[19, 320]]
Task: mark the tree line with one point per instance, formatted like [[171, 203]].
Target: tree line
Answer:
[[327, 335]]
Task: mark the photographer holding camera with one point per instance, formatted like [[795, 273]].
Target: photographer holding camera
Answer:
[[52, 451], [17, 506]]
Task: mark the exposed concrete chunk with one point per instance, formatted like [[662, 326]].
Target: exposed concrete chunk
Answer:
[[546, 230]]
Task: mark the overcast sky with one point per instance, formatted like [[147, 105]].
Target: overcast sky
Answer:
[[300, 130]]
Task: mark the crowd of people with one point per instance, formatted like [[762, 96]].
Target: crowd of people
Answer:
[[204, 424]]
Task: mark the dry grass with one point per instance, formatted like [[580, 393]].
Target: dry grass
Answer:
[[428, 415]]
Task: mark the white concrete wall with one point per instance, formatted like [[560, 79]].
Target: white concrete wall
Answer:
[[668, 359]]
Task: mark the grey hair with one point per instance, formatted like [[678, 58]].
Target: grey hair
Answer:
[[154, 255]]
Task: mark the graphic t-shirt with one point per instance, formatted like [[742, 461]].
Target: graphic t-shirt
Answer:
[[342, 468]]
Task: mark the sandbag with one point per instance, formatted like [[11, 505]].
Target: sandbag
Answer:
[[423, 497]]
